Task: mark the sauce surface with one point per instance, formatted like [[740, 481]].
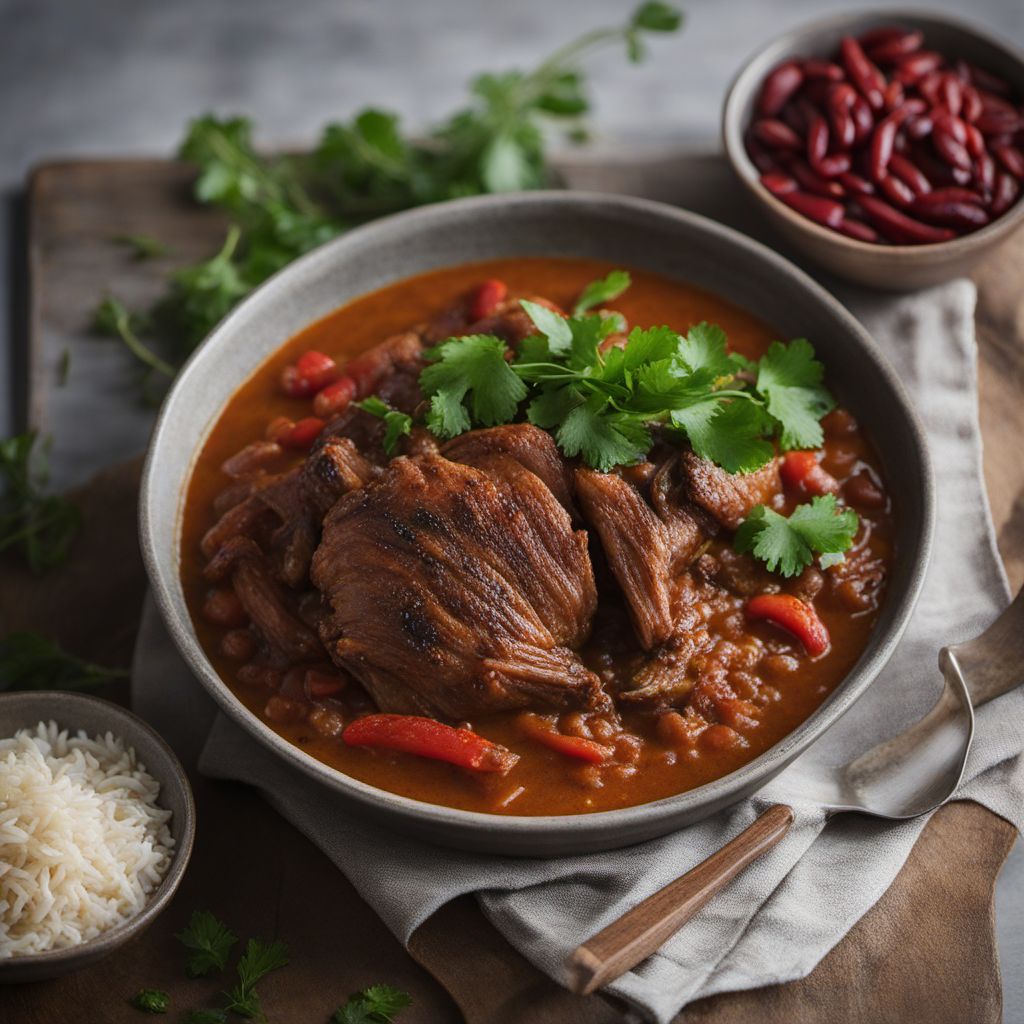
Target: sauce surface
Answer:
[[774, 686]]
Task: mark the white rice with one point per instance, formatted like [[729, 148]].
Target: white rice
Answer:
[[83, 843]]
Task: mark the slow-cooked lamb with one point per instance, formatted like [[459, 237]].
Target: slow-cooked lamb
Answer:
[[454, 591]]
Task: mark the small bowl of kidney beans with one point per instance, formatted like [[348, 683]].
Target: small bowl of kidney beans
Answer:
[[887, 147]]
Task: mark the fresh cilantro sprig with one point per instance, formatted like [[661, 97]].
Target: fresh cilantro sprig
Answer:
[[258, 960], [396, 424], [281, 207], [151, 1000], [602, 404], [378, 1004], [31, 661], [788, 544], [209, 942], [607, 289], [41, 527]]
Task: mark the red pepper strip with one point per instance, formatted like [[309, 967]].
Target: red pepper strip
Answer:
[[572, 746], [427, 738], [791, 614], [801, 470]]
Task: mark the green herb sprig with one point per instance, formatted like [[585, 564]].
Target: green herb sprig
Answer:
[[378, 1004], [31, 661], [151, 1000], [209, 942], [258, 960]]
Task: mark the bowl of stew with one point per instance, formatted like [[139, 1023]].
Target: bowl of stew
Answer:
[[400, 541], [884, 145]]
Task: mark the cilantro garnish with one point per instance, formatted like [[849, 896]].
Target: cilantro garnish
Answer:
[[151, 1000], [378, 1004], [598, 292], [396, 424], [142, 247], [790, 379], [31, 661], [258, 960], [209, 942], [788, 544]]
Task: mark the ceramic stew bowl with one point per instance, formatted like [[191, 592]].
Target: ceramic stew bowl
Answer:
[[629, 232], [891, 267], [74, 711]]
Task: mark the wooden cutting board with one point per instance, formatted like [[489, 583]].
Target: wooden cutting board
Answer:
[[925, 952]]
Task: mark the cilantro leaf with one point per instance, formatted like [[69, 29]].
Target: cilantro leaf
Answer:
[[704, 348], [789, 378], [31, 661], [788, 544], [729, 433], [646, 345], [604, 436], [378, 1004], [397, 424], [151, 1000], [605, 290], [552, 325], [552, 405], [657, 17], [258, 960], [209, 942], [470, 371]]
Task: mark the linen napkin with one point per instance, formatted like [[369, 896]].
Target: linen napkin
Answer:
[[779, 918]]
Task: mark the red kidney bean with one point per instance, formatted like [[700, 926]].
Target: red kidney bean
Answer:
[[985, 171], [974, 141], [910, 174], [856, 184], [951, 194], [793, 115], [865, 76], [779, 87], [881, 146], [1011, 158], [950, 125], [834, 165], [990, 83], [812, 182], [911, 69], [997, 122], [777, 135], [898, 191], [863, 119], [892, 49], [1005, 194], [972, 104], [918, 127], [853, 228], [817, 140], [898, 226], [882, 34], [952, 93], [763, 160], [892, 97], [778, 182], [929, 88], [957, 215], [950, 150], [814, 68], [816, 208]]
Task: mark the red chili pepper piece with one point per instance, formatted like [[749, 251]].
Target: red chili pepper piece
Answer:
[[424, 737], [303, 433], [778, 87], [863, 73], [898, 227], [816, 208], [800, 470], [778, 183], [335, 398], [776, 134], [571, 746], [793, 615], [909, 173], [319, 685], [488, 296]]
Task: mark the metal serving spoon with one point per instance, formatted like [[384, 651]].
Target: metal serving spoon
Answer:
[[906, 776]]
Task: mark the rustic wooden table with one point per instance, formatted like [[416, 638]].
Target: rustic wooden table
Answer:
[[925, 952]]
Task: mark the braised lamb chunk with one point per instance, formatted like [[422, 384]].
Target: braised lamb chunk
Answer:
[[729, 497], [452, 591], [531, 447], [334, 469], [646, 544], [391, 370]]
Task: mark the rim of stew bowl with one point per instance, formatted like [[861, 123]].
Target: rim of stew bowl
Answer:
[[889, 267], [635, 233]]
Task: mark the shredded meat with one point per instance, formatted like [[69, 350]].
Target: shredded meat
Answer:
[[726, 496], [454, 591]]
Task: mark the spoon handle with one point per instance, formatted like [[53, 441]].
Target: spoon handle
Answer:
[[993, 663], [640, 931]]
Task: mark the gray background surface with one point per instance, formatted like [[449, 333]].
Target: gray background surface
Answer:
[[121, 77]]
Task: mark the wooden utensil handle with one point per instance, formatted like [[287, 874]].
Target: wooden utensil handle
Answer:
[[640, 931]]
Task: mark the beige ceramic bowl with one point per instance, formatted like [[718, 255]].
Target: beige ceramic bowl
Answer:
[[892, 267]]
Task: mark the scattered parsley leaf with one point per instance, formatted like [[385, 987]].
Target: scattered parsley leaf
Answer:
[[112, 319], [598, 292], [143, 247], [788, 544], [151, 1000], [31, 661], [789, 378], [209, 943], [258, 960], [397, 424], [378, 1004], [470, 378], [41, 527]]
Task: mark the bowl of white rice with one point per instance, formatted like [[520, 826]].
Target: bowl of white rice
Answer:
[[96, 828]]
